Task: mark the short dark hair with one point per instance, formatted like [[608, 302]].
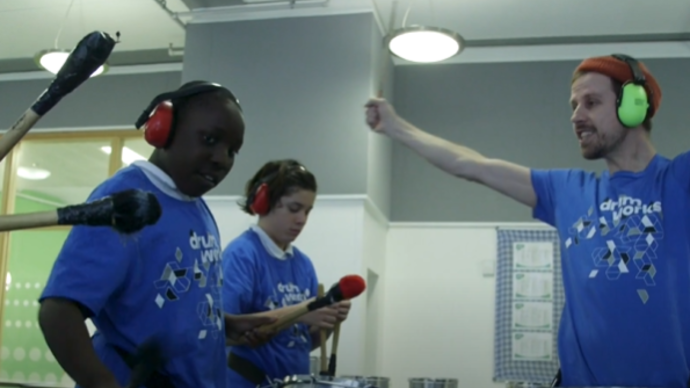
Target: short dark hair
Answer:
[[283, 177], [616, 86], [181, 104]]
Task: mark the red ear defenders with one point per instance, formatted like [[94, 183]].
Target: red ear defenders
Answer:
[[260, 203], [259, 197], [157, 118]]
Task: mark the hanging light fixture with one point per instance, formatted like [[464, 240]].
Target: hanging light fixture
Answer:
[[33, 173], [425, 44], [52, 60]]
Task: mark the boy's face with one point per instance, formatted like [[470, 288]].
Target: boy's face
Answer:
[[289, 216], [209, 134]]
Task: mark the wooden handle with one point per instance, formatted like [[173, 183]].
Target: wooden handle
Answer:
[[20, 128], [324, 339], [10, 222], [280, 324], [284, 322]]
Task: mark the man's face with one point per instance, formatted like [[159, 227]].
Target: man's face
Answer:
[[594, 116], [209, 134]]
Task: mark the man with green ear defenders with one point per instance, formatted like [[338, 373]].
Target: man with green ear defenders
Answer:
[[625, 235], [633, 100]]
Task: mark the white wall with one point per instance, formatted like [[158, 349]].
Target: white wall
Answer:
[[429, 306], [380, 148], [439, 309], [375, 230]]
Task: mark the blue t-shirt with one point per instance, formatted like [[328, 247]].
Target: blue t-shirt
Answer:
[[625, 243], [164, 281], [255, 281]]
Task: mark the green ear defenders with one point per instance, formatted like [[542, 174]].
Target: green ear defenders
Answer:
[[633, 102]]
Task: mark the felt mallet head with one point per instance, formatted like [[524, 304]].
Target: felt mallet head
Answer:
[[348, 287], [127, 211], [351, 286], [87, 56], [90, 53]]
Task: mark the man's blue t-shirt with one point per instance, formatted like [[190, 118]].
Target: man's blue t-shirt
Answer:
[[164, 281], [625, 243], [256, 281]]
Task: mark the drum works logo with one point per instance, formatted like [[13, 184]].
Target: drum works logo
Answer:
[[627, 206], [284, 295], [200, 264], [622, 238]]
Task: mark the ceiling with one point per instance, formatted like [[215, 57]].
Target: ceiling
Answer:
[[504, 22], [510, 22], [28, 26], [148, 30]]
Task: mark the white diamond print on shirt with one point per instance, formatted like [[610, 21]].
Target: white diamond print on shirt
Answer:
[[193, 270], [210, 314], [199, 275], [173, 281], [633, 230]]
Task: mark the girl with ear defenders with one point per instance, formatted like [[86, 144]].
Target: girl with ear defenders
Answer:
[[265, 274], [165, 284]]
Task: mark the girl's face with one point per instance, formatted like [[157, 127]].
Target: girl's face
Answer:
[[289, 216]]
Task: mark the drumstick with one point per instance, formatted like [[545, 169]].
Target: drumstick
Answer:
[[127, 212], [89, 54], [348, 287], [334, 349], [324, 340]]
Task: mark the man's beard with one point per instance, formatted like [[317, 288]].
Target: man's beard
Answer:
[[601, 145]]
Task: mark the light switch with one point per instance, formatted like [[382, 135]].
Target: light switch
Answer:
[[488, 268]]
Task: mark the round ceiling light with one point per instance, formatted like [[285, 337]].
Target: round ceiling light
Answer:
[[32, 173], [425, 44], [53, 60]]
